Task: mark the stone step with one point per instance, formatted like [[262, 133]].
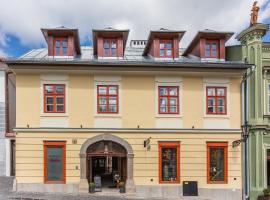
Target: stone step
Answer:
[[6, 183]]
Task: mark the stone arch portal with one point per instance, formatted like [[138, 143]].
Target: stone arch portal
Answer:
[[83, 186]]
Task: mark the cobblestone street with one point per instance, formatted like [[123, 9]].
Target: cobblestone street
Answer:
[[96, 196]]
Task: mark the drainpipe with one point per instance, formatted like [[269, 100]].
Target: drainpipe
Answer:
[[245, 148], [7, 102]]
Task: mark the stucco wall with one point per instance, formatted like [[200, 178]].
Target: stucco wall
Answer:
[[29, 156], [138, 103]]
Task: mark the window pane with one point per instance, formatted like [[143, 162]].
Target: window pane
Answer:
[[221, 102], [169, 53], [161, 45], [173, 91], [49, 108], [207, 50], [221, 109], [163, 109], [60, 100], [57, 44], [60, 108], [113, 108], [113, 52], [106, 45], [57, 51], [112, 90], [59, 89], [49, 88], [163, 102], [169, 164], [113, 44], [64, 51], [173, 109], [102, 101], [102, 108], [214, 50], [102, 90], [112, 101], [54, 163], [217, 169], [220, 92], [211, 102], [106, 52], [268, 88], [49, 100], [211, 91], [65, 44], [162, 91], [168, 45], [173, 101], [161, 52]]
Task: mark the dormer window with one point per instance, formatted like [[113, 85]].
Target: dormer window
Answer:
[[60, 46], [165, 48], [109, 47], [211, 49]]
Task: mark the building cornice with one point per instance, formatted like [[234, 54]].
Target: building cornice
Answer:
[[124, 130]]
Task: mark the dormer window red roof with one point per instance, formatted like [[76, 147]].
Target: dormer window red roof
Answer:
[[163, 44], [109, 42], [62, 41], [208, 44]]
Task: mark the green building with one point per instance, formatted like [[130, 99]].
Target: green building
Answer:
[[257, 110]]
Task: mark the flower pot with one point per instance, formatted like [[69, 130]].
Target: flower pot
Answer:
[[122, 190], [264, 197], [91, 189]]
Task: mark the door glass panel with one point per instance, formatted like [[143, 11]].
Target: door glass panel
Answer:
[[217, 164], [169, 164], [54, 163]]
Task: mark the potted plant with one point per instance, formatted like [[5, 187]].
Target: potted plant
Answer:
[[122, 188], [266, 194], [92, 186]]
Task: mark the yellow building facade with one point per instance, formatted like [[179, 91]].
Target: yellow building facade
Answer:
[[155, 152]]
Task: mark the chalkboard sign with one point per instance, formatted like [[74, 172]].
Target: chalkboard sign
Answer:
[[97, 180]]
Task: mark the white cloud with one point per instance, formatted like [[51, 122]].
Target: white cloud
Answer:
[[3, 54], [25, 18]]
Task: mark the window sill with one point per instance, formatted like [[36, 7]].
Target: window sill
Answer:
[[54, 115], [168, 116], [107, 116], [216, 116]]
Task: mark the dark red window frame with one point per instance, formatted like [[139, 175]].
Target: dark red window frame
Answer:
[[169, 144], [110, 41], [166, 49], [61, 40], [168, 96], [57, 144], [107, 96], [54, 94], [216, 97], [217, 145], [211, 42]]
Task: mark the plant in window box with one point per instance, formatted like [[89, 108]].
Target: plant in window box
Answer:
[[122, 187], [92, 186]]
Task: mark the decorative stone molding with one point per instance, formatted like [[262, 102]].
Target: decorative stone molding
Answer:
[[106, 137]]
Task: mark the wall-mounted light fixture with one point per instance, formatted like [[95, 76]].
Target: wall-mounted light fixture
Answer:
[[146, 143], [244, 134]]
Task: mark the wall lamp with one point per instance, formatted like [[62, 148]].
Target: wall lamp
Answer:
[[244, 134]]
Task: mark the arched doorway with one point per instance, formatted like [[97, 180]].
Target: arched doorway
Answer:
[[83, 186], [108, 160]]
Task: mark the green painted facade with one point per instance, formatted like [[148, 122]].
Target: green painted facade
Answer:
[[254, 51]]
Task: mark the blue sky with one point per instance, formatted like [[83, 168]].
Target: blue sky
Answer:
[[20, 32]]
